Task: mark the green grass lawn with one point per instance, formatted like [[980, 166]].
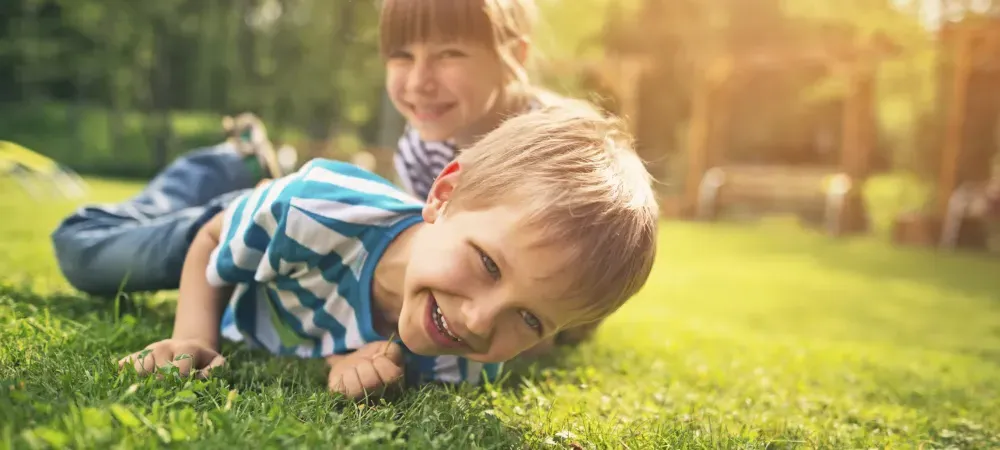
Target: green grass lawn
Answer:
[[746, 337]]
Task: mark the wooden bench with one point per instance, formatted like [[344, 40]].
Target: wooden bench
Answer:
[[821, 192]]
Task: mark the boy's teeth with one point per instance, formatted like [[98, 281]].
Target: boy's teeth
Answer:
[[444, 324]]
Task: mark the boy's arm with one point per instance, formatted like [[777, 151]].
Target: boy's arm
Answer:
[[199, 304], [196, 326]]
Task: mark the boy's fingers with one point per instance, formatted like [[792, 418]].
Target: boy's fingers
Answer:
[[335, 383], [127, 360], [387, 370], [352, 384], [145, 364], [369, 377], [185, 362], [345, 382], [218, 361], [134, 358], [394, 352], [160, 356]]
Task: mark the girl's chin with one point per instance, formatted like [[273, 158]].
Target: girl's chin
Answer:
[[435, 135]]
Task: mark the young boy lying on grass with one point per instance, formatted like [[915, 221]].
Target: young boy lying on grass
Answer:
[[546, 223]]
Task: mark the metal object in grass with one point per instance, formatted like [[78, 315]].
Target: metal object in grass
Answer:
[[39, 175]]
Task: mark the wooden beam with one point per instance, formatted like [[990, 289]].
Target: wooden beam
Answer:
[[954, 132], [858, 118], [697, 145], [701, 131]]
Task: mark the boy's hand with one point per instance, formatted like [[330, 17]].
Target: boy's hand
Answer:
[[186, 355], [367, 371]]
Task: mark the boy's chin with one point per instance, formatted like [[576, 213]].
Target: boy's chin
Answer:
[[420, 344], [417, 343]]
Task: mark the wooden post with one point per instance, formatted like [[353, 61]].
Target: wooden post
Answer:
[[631, 71], [700, 131], [857, 144], [954, 133], [719, 131], [858, 119]]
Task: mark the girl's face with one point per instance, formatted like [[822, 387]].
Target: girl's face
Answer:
[[445, 90]]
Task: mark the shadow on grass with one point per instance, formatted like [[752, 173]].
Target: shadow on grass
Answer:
[[75, 306]]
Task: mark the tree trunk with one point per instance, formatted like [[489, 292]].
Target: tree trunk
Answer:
[[341, 41], [159, 85]]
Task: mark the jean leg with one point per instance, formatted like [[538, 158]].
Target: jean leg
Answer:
[[146, 237], [193, 180], [101, 251]]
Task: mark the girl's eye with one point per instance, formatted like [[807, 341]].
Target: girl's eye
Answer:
[[489, 265], [400, 54], [532, 321], [452, 54]]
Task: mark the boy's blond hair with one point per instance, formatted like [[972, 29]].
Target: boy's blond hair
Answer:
[[582, 184], [496, 24]]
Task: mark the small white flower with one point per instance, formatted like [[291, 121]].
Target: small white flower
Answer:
[[565, 435]]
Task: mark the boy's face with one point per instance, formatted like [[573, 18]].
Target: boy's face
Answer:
[[480, 284], [443, 88]]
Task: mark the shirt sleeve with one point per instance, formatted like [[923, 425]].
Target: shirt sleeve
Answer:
[[250, 228]]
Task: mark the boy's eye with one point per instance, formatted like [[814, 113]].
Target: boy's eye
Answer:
[[489, 265], [532, 321]]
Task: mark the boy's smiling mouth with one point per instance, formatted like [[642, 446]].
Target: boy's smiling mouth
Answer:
[[437, 326]]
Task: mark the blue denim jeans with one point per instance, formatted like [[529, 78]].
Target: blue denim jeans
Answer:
[[140, 244]]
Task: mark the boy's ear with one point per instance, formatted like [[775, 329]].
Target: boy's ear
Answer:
[[441, 192]]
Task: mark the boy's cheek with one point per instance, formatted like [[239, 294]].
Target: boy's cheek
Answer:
[[504, 349], [541, 348]]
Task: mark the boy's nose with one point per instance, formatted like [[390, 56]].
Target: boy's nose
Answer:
[[479, 322]]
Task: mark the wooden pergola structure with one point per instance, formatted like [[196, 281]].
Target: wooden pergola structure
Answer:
[[726, 73], [975, 52], [972, 70]]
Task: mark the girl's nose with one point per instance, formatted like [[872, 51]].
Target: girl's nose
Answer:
[[421, 77]]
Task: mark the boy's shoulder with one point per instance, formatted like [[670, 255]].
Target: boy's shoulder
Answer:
[[355, 173], [342, 182]]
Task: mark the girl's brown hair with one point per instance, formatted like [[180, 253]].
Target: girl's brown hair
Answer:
[[497, 24]]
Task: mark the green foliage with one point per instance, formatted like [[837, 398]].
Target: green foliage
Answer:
[[311, 69], [746, 337], [86, 146], [299, 64]]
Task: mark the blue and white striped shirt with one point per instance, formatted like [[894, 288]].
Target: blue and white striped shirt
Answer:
[[301, 253]]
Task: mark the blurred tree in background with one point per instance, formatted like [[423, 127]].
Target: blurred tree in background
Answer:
[[135, 82], [121, 86]]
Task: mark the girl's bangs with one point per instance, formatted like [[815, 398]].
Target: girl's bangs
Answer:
[[404, 22]]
